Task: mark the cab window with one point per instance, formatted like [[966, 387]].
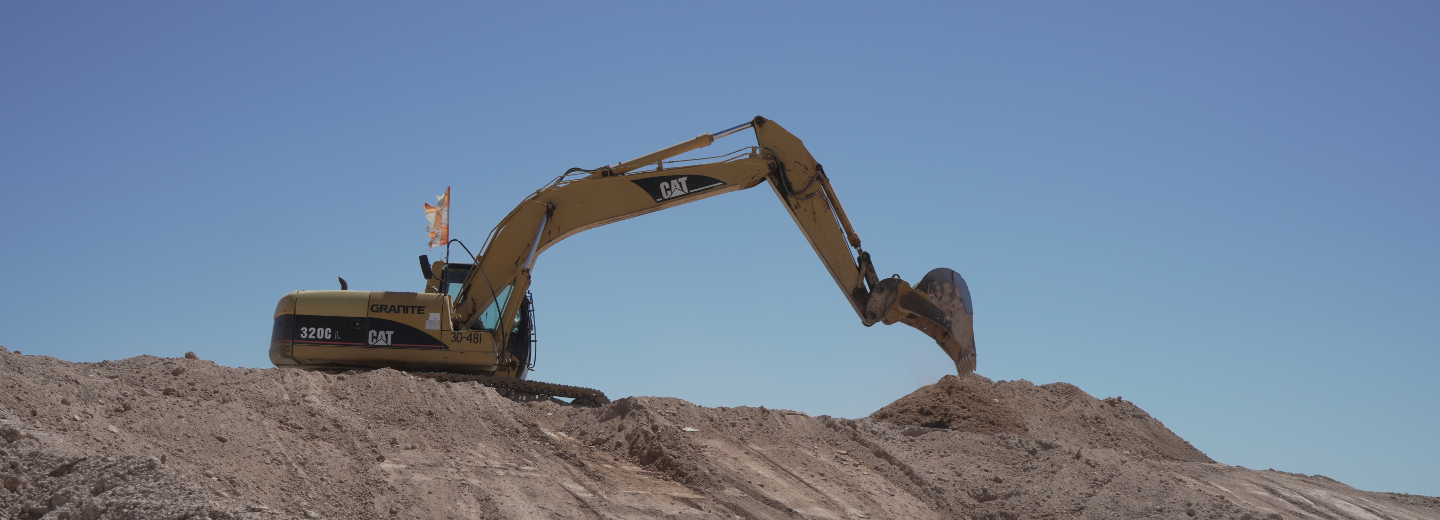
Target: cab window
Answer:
[[455, 279], [491, 315]]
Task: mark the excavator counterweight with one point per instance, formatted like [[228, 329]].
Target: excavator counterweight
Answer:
[[475, 317]]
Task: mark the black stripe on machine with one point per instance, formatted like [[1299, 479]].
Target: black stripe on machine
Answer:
[[349, 331], [666, 187]]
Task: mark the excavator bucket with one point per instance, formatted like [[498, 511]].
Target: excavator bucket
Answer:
[[940, 307]]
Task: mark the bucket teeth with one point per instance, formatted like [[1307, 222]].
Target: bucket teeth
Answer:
[[940, 306]]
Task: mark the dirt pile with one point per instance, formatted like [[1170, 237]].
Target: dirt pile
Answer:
[[149, 437], [974, 404], [967, 404]]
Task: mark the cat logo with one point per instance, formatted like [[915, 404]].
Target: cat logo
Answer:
[[381, 338], [666, 187], [673, 188]]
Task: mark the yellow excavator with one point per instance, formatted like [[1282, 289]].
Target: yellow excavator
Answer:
[[475, 320]]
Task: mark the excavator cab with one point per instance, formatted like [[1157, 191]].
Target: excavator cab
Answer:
[[452, 278], [520, 343]]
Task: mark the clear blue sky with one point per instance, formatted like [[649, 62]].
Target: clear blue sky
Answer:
[[1225, 213]]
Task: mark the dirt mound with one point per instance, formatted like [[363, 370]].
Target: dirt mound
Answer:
[[1063, 411], [74, 484], [149, 437], [968, 404], [975, 404]]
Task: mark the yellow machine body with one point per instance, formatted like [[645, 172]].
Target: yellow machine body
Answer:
[[475, 318], [340, 330]]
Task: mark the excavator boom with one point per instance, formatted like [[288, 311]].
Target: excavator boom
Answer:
[[939, 305]]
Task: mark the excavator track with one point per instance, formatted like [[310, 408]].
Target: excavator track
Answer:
[[581, 395]]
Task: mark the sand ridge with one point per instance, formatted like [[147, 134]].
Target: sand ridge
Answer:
[[150, 437]]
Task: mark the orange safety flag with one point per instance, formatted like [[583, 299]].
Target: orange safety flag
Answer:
[[439, 217]]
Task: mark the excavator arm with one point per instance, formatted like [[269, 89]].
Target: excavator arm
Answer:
[[939, 305]]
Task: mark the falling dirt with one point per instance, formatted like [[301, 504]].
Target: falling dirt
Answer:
[[148, 437]]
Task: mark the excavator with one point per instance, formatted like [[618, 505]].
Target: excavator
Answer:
[[475, 320]]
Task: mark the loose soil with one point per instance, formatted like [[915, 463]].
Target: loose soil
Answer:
[[148, 437]]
